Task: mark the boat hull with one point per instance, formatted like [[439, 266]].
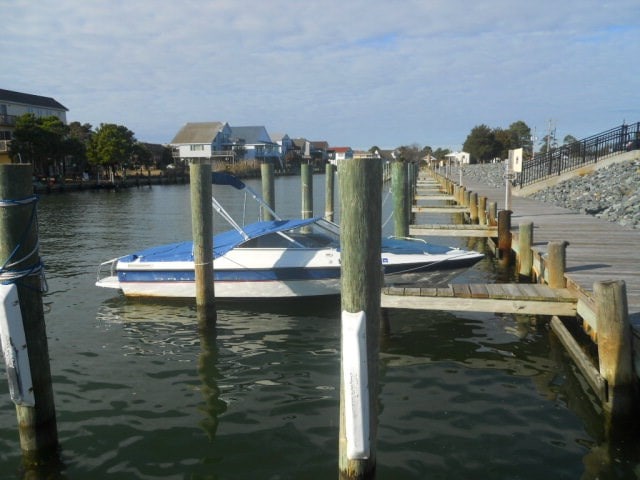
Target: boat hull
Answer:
[[273, 283]]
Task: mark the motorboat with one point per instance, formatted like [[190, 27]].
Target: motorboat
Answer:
[[278, 258]]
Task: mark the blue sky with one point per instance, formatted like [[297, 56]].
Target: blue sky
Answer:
[[356, 73]]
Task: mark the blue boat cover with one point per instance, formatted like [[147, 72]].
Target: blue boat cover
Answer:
[[222, 243], [221, 178]]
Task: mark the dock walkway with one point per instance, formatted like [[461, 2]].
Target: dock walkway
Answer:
[[598, 250]]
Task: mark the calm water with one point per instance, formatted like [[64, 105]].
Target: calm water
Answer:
[[140, 394]]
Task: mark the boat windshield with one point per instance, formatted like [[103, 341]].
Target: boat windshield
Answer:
[[315, 235]]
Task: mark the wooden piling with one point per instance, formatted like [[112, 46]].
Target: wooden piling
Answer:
[[525, 254], [361, 281], [400, 200], [329, 192], [473, 208], [21, 265], [556, 264], [493, 214], [306, 177], [202, 231], [268, 190], [615, 350], [482, 210], [504, 236]]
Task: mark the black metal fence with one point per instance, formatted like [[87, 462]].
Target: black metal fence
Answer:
[[574, 155]]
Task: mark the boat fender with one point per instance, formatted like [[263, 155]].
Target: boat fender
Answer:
[[14, 347], [356, 384]]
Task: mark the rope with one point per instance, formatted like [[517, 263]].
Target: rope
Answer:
[[8, 273]]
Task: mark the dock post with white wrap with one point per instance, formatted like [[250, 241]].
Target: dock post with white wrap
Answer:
[[23, 332], [361, 282]]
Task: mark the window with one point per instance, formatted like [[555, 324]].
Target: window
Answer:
[[196, 148]]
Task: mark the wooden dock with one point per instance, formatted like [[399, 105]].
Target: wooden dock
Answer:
[[597, 250]]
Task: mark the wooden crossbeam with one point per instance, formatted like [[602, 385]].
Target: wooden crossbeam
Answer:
[[464, 230], [449, 209], [496, 298]]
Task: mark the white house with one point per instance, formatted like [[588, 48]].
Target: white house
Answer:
[[458, 157], [337, 154], [201, 140]]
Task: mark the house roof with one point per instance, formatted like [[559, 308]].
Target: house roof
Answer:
[[251, 135], [340, 149], [29, 99], [198, 132]]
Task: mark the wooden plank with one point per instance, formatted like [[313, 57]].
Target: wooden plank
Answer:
[[479, 290], [454, 304], [449, 209], [461, 290], [584, 363]]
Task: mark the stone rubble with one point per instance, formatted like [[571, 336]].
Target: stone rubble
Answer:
[[611, 193]]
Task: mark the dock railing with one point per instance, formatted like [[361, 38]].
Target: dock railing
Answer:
[[577, 154]]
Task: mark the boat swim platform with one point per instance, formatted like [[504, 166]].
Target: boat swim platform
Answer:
[[515, 298]]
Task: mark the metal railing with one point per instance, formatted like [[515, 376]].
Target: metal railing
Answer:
[[577, 154]]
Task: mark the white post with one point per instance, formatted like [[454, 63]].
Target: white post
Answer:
[[507, 185]]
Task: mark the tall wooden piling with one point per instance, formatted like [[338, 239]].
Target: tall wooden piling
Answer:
[[400, 199], [556, 264], [268, 190], [329, 192], [21, 266], [504, 236], [473, 208], [306, 177], [361, 281], [615, 349], [202, 231], [525, 254], [482, 210]]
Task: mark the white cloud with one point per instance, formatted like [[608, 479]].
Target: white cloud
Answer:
[[354, 73]]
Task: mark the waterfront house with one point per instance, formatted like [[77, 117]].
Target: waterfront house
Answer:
[[285, 144], [15, 104], [338, 154], [197, 140], [254, 143]]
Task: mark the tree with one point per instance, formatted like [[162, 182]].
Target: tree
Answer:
[[481, 144], [520, 136], [440, 153], [111, 146], [409, 153], [41, 142]]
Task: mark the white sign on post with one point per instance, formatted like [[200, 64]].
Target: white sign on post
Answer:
[[515, 160]]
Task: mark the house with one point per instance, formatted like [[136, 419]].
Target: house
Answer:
[[254, 143], [318, 152], [337, 154], [284, 142], [15, 104], [458, 157], [202, 140], [302, 146]]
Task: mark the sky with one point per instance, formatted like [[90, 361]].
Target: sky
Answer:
[[353, 73]]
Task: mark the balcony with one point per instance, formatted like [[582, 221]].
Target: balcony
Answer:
[[8, 120]]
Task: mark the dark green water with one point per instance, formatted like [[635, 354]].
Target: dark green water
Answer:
[[141, 394]]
